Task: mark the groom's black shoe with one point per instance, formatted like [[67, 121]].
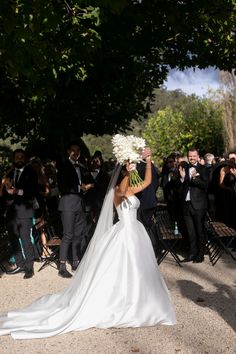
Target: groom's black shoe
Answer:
[[64, 273], [189, 259], [15, 271]]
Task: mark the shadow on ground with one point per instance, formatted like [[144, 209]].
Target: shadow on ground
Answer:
[[222, 300]]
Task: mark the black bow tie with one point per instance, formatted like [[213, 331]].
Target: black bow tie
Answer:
[[76, 164]]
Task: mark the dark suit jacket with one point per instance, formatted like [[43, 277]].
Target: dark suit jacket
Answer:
[[147, 197], [21, 206], [68, 181], [197, 187], [95, 196], [68, 184]]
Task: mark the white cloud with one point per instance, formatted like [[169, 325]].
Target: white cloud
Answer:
[[193, 81]]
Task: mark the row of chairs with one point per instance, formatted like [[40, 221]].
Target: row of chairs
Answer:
[[219, 237], [165, 239]]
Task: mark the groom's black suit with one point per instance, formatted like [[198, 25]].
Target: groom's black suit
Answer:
[[71, 206], [194, 199]]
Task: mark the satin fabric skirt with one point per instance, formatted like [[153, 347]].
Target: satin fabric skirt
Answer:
[[117, 284]]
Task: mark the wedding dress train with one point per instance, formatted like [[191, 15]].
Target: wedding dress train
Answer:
[[117, 284]]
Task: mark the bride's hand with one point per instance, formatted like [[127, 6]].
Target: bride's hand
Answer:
[[146, 153], [130, 166]]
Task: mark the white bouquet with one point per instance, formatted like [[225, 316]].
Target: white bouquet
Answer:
[[128, 149]]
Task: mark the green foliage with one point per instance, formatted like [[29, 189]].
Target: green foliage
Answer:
[[68, 68], [193, 123], [164, 132], [101, 143]]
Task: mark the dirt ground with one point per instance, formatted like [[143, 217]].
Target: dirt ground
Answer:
[[204, 297]]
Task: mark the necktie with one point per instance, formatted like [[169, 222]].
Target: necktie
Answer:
[[76, 165], [17, 175]]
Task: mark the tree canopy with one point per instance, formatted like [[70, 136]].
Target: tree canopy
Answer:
[[74, 67], [190, 122]]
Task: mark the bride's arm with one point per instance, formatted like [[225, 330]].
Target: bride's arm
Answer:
[[147, 179], [121, 190], [124, 189]]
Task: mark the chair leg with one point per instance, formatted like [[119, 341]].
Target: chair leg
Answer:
[[2, 267], [51, 259], [217, 248], [168, 248]]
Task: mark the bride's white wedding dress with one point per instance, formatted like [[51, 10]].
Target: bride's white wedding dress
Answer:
[[120, 286]]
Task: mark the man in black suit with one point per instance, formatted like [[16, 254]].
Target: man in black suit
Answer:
[[20, 186], [71, 183], [147, 198], [94, 198], [194, 179]]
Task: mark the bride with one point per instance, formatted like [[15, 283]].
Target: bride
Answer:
[[117, 284]]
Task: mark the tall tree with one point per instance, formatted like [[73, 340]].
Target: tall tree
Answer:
[[228, 97], [74, 67], [193, 123]]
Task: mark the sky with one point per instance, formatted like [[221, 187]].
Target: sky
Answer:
[[193, 82]]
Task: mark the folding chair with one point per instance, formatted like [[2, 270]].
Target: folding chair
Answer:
[[52, 259], [220, 238], [166, 236], [53, 242]]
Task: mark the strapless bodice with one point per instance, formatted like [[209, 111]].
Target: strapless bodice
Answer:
[[127, 209]]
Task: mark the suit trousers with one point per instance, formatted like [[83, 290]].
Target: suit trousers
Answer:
[[74, 233], [20, 232], [194, 221]]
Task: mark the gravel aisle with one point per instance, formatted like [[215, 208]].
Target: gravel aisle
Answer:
[[204, 298]]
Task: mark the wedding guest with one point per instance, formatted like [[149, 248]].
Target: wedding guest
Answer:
[[194, 180], [117, 284], [43, 191], [227, 182], [209, 159], [148, 197], [20, 189], [169, 184], [52, 199], [71, 185], [100, 178], [209, 163]]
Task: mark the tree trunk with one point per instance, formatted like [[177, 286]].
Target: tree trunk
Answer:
[[228, 81]]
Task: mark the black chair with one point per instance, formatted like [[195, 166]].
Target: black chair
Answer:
[[53, 258], [53, 243], [219, 239], [166, 236]]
